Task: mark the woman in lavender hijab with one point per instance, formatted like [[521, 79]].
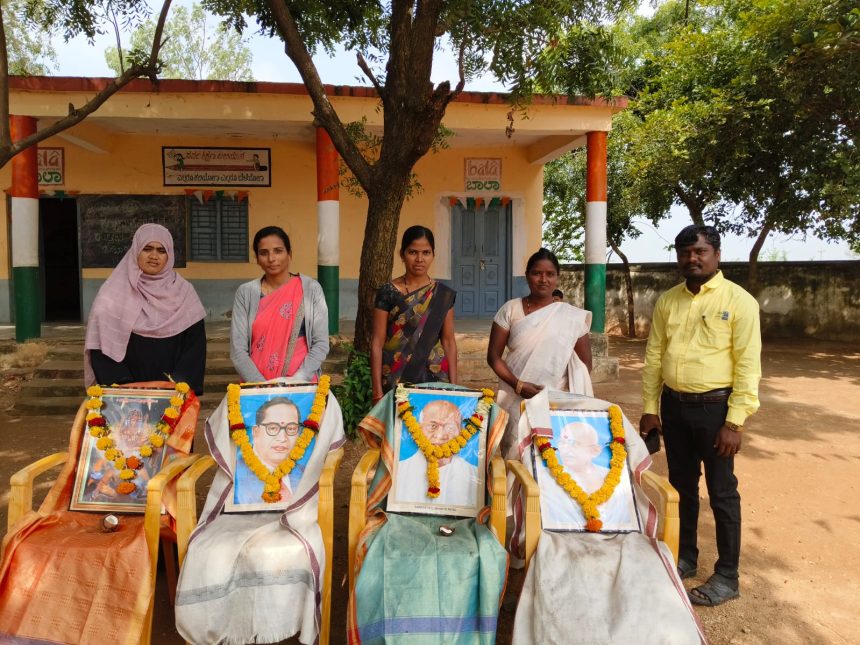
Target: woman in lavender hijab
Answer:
[[146, 323]]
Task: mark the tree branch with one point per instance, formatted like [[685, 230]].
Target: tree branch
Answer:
[[115, 24], [370, 75], [156, 37], [5, 134], [323, 109]]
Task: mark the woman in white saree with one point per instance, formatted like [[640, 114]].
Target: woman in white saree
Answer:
[[547, 342]]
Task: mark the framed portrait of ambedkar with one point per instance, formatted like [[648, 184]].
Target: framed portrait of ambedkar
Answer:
[[452, 484], [581, 441], [130, 416], [273, 419]]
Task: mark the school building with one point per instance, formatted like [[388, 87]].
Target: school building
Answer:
[[215, 161]]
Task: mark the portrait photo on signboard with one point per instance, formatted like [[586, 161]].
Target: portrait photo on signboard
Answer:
[[273, 420], [131, 415], [441, 415], [581, 439]]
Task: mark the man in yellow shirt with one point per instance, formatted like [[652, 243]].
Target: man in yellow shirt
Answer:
[[699, 385]]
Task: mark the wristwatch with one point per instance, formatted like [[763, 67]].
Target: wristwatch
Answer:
[[733, 426]]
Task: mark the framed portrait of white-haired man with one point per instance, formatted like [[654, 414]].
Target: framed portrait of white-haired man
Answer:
[[582, 443], [450, 484]]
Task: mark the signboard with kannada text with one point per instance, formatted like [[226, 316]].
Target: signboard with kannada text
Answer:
[[483, 173], [213, 166], [51, 166]]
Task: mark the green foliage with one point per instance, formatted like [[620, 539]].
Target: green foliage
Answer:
[[195, 47], [28, 44], [355, 394]]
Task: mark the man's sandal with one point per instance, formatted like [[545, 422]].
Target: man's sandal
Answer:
[[686, 569], [714, 592]]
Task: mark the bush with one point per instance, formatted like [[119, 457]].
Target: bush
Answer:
[[355, 394]]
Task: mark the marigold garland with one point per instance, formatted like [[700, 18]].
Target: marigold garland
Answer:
[[590, 502], [451, 447], [100, 429], [241, 437]]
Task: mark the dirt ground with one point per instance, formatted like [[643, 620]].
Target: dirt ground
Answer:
[[799, 472]]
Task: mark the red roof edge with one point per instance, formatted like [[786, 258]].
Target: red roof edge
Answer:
[[88, 84]]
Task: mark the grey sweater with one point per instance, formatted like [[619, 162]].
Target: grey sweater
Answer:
[[245, 308]]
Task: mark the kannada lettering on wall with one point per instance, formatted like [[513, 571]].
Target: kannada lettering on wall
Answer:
[[483, 174], [214, 166], [51, 166]]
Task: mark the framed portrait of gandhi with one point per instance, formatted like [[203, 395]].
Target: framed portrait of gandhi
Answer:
[[273, 420], [441, 416], [581, 439], [131, 415]]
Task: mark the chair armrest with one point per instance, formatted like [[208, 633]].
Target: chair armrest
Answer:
[[186, 503], [498, 514], [152, 516], [532, 506], [21, 483], [663, 495], [358, 504], [325, 518]]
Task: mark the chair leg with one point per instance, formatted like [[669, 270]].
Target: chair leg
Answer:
[[168, 553]]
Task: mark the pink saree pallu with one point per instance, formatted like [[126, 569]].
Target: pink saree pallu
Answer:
[[276, 347]]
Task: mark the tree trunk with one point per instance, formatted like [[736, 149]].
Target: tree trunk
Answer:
[[752, 269], [628, 287], [377, 253]]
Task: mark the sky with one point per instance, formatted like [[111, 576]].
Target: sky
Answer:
[[80, 58]]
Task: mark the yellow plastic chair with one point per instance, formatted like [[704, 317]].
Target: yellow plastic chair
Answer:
[[362, 475], [657, 488], [186, 520], [21, 503]]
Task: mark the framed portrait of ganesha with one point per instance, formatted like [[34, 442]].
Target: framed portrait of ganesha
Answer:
[[440, 452], [118, 453], [274, 439]]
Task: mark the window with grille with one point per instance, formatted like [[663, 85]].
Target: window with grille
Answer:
[[219, 230]]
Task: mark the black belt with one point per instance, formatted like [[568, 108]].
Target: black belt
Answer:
[[712, 396]]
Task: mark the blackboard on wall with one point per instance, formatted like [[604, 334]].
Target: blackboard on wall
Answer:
[[108, 223]]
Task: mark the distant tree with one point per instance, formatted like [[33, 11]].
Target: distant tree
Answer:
[[87, 17], [28, 45], [196, 47]]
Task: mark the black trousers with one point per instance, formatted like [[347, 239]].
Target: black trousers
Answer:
[[689, 432]]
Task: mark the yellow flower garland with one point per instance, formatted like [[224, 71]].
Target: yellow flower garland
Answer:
[[100, 429], [241, 437], [451, 447], [589, 503]]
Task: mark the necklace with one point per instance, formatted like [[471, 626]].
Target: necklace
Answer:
[[406, 285], [433, 453], [528, 305], [590, 502]]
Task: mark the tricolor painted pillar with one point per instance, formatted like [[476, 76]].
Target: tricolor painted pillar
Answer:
[[328, 220], [595, 231], [25, 234]]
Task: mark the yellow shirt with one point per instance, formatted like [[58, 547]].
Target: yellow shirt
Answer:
[[705, 341]]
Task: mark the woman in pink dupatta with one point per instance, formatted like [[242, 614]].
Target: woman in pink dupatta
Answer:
[[547, 342], [279, 326]]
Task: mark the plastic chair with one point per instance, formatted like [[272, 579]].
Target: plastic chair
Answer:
[[21, 505], [186, 521]]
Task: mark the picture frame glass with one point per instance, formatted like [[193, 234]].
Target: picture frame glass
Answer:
[[273, 420], [582, 441], [441, 414], [131, 415]]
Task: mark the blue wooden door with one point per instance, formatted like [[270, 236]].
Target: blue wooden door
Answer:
[[480, 259]]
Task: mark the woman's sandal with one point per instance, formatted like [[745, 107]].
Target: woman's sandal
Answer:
[[686, 569], [714, 592]]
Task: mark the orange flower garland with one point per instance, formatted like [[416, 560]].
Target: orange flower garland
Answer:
[[450, 448], [589, 503], [241, 437], [128, 466]]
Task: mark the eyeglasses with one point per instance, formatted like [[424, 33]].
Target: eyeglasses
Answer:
[[273, 429]]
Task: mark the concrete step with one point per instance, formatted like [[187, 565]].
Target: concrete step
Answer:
[[49, 405], [62, 387]]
